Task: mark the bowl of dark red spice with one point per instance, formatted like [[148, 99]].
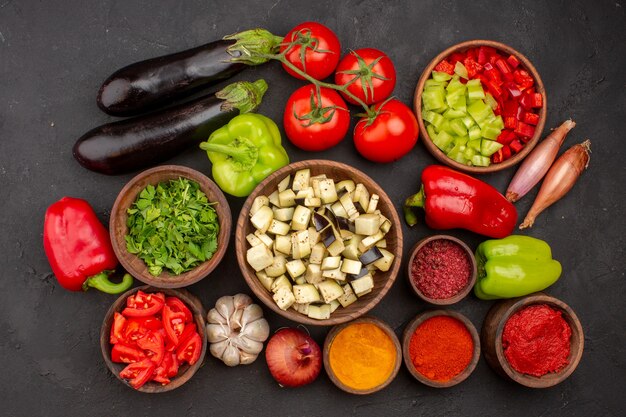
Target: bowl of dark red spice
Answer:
[[536, 341], [440, 348], [441, 269]]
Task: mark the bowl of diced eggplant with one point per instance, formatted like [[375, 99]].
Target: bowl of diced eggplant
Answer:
[[319, 242]]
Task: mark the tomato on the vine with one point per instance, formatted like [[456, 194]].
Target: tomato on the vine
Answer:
[[316, 120], [390, 135], [313, 48], [368, 74]]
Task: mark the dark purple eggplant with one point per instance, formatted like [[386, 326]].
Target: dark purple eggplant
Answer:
[[370, 256], [149, 84], [140, 142]]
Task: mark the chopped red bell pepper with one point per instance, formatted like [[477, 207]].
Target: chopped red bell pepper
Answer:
[[456, 57], [482, 56], [513, 61], [510, 109], [505, 137], [520, 113], [471, 53], [512, 87], [523, 79], [531, 118], [503, 154], [516, 145], [510, 122], [492, 74], [524, 130], [536, 100], [472, 67], [445, 66]]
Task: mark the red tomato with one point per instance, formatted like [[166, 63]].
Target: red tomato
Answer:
[[142, 304], [154, 345], [315, 126], [190, 351], [161, 372], [139, 373], [390, 136], [122, 353], [117, 329], [321, 50], [177, 306], [369, 74], [174, 324]]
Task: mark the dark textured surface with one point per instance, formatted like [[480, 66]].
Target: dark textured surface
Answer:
[[53, 57]]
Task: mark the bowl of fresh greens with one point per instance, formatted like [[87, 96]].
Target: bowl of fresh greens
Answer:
[[170, 226]]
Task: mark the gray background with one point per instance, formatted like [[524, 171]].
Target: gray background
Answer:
[[53, 57]]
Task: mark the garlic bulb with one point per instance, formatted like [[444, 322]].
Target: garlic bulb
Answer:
[[236, 330]]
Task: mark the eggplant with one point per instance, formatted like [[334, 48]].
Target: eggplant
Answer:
[[143, 141], [320, 222], [370, 256], [149, 84]]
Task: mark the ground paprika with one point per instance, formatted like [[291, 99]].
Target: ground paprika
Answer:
[[441, 348]]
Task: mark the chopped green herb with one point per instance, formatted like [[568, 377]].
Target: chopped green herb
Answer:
[[172, 226]]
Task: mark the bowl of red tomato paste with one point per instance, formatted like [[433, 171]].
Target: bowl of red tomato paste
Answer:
[[536, 341], [441, 269], [481, 106], [154, 339]]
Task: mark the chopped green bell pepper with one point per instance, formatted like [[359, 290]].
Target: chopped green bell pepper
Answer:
[[244, 152], [514, 266]]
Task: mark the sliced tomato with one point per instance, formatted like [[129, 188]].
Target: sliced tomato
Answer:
[[138, 373], [161, 371], [153, 343], [117, 328], [123, 353], [143, 305], [172, 369], [137, 328], [178, 306], [190, 330], [174, 324], [190, 351]]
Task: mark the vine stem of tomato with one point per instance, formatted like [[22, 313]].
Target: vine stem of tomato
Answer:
[[371, 114]]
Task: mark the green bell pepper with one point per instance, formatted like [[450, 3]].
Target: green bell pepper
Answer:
[[514, 266], [244, 152]]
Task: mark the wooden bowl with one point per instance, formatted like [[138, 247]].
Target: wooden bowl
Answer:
[[185, 371], [330, 337], [491, 336], [461, 294], [382, 281], [442, 157], [406, 342], [118, 229]]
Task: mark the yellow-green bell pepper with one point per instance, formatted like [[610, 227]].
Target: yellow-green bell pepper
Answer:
[[514, 266], [244, 152]]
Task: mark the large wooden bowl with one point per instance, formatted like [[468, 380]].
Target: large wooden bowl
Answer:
[[417, 107], [119, 216], [406, 343], [382, 280], [458, 296], [493, 327], [185, 372], [330, 337]]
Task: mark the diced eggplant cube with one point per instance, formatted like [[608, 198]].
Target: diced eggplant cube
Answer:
[[317, 253], [328, 194], [282, 244], [301, 308], [259, 257], [370, 241], [312, 202], [267, 241], [265, 280], [274, 199], [329, 290], [362, 272], [313, 274], [284, 298], [253, 240], [348, 205], [284, 183], [345, 185], [348, 296], [301, 217], [300, 280], [351, 250], [320, 222], [300, 247], [331, 262], [301, 179], [278, 228], [338, 210], [371, 207], [314, 237], [287, 198], [281, 281], [306, 193], [334, 274], [262, 218], [370, 256], [350, 266], [381, 243], [277, 268], [336, 247], [258, 202], [334, 305], [283, 214], [384, 263], [367, 224], [306, 293], [295, 268], [363, 285], [321, 312]]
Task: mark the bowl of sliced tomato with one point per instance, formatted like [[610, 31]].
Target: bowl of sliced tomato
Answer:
[[153, 339], [481, 106]]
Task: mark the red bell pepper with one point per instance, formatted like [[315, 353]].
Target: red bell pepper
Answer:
[[79, 249], [452, 200], [445, 66]]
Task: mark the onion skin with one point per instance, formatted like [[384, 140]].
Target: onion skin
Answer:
[[537, 162], [560, 179]]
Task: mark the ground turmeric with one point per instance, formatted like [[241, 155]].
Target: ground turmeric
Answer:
[[362, 356]]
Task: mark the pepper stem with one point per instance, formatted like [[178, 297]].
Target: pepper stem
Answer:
[[412, 202], [242, 95], [102, 283], [243, 152], [252, 46]]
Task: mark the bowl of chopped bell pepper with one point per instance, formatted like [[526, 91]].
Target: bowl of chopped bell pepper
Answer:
[[170, 226], [481, 106]]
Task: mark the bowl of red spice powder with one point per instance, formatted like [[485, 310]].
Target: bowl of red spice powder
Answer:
[[441, 269], [440, 348], [536, 341]]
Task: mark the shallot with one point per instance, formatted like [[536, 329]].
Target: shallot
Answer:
[[537, 163], [559, 180]]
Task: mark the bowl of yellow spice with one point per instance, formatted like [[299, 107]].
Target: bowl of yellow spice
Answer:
[[362, 356]]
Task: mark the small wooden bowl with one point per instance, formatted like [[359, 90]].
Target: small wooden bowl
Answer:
[[330, 337], [461, 294], [382, 281], [491, 336], [185, 372], [417, 107], [406, 342], [118, 229]]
